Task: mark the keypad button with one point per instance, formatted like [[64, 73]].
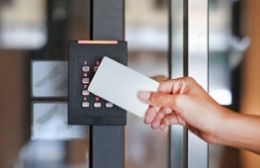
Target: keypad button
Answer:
[[85, 68], [97, 105], [85, 104], [85, 80], [109, 105], [95, 68], [85, 92]]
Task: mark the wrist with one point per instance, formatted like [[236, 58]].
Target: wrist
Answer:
[[222, 135]]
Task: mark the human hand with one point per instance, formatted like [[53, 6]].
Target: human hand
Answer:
[[183, 101]]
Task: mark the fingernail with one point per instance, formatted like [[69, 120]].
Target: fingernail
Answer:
[[154, 127], [143, 95], [162, 127]]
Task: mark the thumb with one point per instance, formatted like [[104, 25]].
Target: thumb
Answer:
[[158, 99]]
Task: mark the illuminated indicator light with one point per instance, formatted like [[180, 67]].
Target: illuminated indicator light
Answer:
[[97, 62], [96, 42], [85, 74], [85, 99], [97, 99], [85, 62]]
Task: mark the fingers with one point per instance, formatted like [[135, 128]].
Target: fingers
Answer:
[[163, 125], [175, 86], [171, 119], [168, 120], [160, 118], [150, 115], [153, 112], [162, 98], [158, 99], [170, 97]]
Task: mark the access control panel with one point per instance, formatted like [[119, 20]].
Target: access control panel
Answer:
[[84, 59]]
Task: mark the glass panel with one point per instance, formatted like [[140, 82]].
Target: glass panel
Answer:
[[225, 55], [226, 50], [40, 31], [32, 35], [219, 45], [147, 36], [19, 28]]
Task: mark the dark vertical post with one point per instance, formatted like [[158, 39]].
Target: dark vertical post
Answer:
[[107, 19], [107, 142]]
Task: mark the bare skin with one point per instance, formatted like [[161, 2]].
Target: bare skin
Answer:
[[183, 101]]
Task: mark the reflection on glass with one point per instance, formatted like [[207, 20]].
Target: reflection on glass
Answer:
[[23, 36], [147, 36], [219, 47], [23, 24], [50, 122], [23, 27], [221, 54]]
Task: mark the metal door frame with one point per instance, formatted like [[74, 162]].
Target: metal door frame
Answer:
[[188, 57]]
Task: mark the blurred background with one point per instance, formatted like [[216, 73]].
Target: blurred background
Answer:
[[35, 135]]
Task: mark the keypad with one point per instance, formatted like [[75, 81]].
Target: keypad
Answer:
[[90, 100], [84, 60]]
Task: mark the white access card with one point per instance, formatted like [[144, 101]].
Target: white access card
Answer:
[[119, 84]]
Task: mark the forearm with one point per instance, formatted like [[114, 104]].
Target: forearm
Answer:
[[241, 131]]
